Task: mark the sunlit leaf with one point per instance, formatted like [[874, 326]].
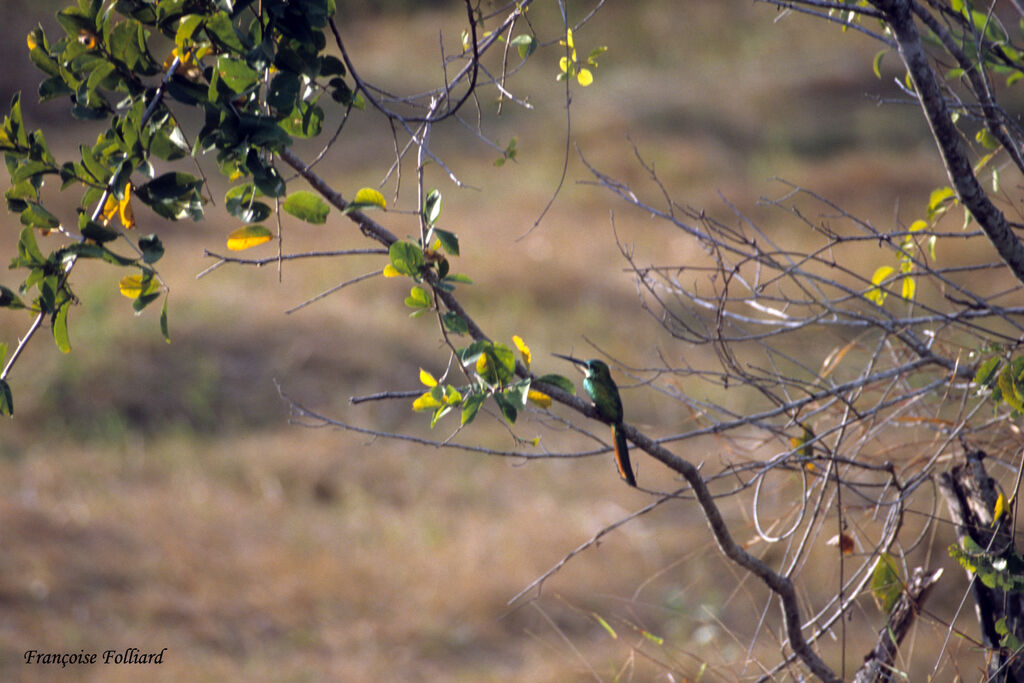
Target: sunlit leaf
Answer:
[[307, 206], [876, 294], [999, 509], [986, 139], [390, 271], [427, 379], [585, 77], [248, 236], [539, 398], [418, 298], [369, 197], [909, 288], [428, 401], [431, 206], [876, 63], [523, 349], [937, 200], [134, 286]]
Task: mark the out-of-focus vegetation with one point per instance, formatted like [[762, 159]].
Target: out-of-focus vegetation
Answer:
[[170, 503]]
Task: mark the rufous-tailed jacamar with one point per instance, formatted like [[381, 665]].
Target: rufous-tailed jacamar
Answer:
[[602, 391]]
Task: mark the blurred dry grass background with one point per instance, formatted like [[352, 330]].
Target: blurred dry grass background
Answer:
[[155, 496]]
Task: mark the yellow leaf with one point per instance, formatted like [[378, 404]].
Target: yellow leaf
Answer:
[[563, 64], [124, 208], [30, 40], [427, 379], [248, 236], [568, 39], [132, 286], [909, 287], [425, 402], [918, 225], [875, 294], [584, 77], [109, 209], [389, 271], [539, 398], [370, 196], [481, 364], [1000, 508], [523, 349]]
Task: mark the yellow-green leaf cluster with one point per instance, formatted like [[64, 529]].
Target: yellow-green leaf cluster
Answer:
[[570, 65]]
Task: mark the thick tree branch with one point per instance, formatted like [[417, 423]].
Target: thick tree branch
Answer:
[[899, 15]]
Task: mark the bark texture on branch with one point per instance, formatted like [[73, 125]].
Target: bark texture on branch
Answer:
[[899, 15], [971, 497], [879, 664]]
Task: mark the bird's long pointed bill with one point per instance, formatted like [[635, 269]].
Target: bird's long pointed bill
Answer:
[[577, 361]]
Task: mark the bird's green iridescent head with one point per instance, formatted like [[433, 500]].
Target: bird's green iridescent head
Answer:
[[595, 368]]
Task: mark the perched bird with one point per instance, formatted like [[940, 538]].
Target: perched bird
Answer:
[[602, 391]]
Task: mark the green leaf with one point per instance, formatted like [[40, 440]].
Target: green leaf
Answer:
[[508, 409], [449, 241], [240, 202], [455, 323], [886, 586], [35, 216], [59, 325], [418, 298], [304, 121], [1011, 389], [432, 207], [563, 383], [983, 376], [986, 139], [6, 399], [152, 248], [8, 299], [98, 233], [526, 44], [222, 32], [517, 393], [407, 258], [173, 195], [471, 405], [236, 74], [307, 206], [283, 91], [164, 330]]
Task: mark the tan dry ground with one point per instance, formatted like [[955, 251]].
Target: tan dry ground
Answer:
[[156, 496]]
